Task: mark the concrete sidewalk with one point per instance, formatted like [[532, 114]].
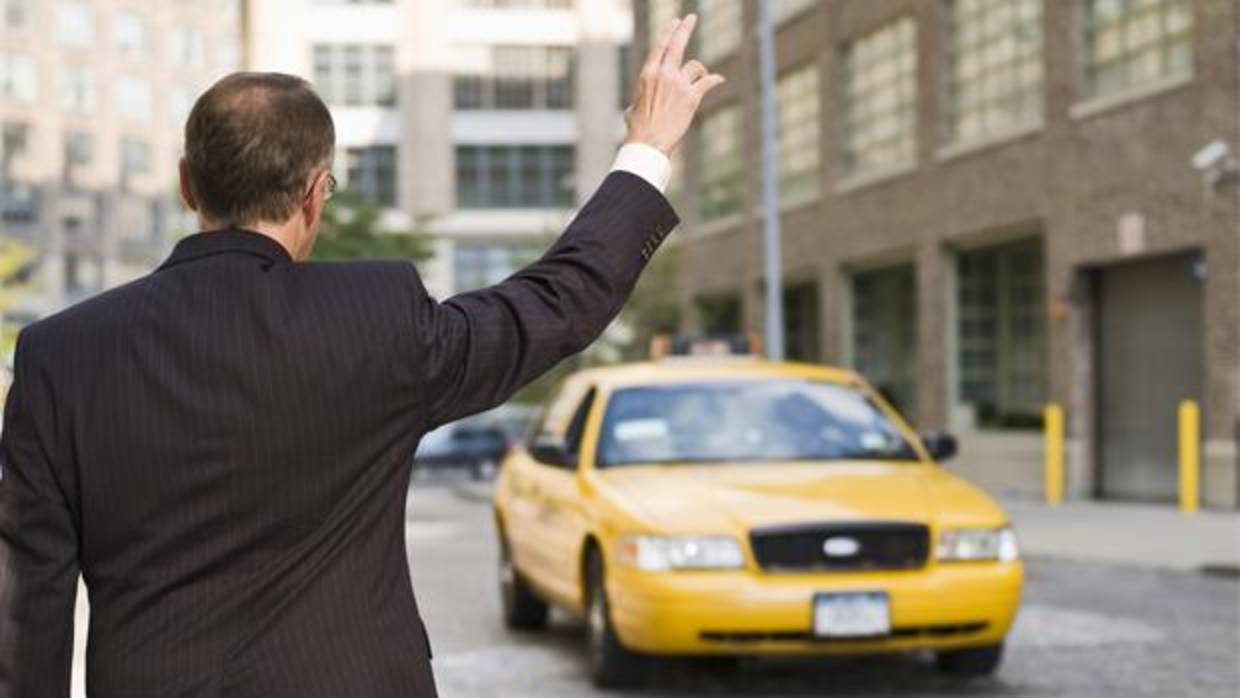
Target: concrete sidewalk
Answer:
[[1136, 534]]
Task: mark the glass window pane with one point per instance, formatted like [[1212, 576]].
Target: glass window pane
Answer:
[[880, 94], [129, 34], [18, 77], [720, 164], [75, 25], [77, 88], [1129, 44]]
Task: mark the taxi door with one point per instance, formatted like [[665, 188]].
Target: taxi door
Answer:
[[534, 471], [563, 513]]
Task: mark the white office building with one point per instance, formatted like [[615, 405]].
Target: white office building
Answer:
[[485, 122]]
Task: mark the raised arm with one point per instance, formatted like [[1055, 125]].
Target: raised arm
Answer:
[[38, 548], [481, 347]]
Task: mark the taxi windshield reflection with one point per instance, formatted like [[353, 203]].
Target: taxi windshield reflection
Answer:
[[750, 421]]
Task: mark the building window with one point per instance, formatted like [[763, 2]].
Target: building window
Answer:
[[132, 99], [79, 149], [75, 25], [77, 88], [518, 77], [720, 164], [801, 323], [515, 176], [355, 75], [186, 48], [880, 100], [787, 9], [129, 34], [19, 202], [18, 78], [719, 315], [799, 97], [884, 333], [1001, 334], [721, 29], [135, 158], [14, 141], [370, 173], [180, 102], [478, 265], [1130, 43], [16, 14], [994, 68]]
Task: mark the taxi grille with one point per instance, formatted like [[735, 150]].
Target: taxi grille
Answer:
[[841, 547]]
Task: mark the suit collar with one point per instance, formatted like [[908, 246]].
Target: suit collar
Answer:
[[232, 240]]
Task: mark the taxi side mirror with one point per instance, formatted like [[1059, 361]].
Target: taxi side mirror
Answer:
[[550, 449], [939, 444]]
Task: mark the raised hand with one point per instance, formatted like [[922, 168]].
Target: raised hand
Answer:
[[669, 90]]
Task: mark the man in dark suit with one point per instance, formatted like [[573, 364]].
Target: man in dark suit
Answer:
[[222, 448]]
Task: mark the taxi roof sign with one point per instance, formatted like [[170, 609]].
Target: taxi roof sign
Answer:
[[704, 346]]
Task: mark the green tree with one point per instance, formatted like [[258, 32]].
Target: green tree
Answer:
[[654, 308], [352, 230]]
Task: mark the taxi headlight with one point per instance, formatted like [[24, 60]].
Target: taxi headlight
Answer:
[[665, 553], [975, 544]]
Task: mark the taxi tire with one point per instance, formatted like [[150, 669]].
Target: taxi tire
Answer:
[[610, 664], [975, 661], [521, 608]]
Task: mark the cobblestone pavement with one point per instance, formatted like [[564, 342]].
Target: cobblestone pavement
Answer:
[[1084, 630]]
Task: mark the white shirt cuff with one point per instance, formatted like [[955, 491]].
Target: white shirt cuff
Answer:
[[645, 161]]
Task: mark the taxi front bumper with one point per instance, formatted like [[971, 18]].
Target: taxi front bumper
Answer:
[[941, 607]]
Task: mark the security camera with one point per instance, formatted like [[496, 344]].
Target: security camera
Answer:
[[1214, 155]]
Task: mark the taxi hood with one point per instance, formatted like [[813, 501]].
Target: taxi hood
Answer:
[[721, 498]]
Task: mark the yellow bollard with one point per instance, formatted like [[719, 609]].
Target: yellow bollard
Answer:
[[1054, 454], [1190, 455]]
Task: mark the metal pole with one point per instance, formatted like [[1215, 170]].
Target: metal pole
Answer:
[[770, 188]]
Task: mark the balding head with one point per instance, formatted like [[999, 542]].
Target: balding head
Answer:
[[252, 143]]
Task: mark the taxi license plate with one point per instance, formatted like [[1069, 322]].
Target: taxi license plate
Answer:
[[861, 614]]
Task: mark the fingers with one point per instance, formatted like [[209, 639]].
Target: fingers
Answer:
[[679, 40], [707, 83], [694, 71], [659, 47]]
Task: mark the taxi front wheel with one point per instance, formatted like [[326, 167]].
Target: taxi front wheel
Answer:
[[976, 661], [611, 665], [522, 609]]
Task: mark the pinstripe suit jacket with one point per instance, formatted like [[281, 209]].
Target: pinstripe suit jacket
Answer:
[[222, 449]]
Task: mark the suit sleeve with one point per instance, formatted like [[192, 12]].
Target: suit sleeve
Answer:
[[479, 348], [38, 549]]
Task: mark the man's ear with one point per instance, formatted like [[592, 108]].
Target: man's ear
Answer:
[[312, 206], [187, 194]]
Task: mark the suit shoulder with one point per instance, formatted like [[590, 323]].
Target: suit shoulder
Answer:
[[103, 307]]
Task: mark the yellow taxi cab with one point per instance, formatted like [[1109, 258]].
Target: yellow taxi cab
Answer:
[[741, 507]]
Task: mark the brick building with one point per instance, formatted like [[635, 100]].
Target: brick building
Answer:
[[989, 205]]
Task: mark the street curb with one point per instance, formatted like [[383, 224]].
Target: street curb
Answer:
[[1215, 570]]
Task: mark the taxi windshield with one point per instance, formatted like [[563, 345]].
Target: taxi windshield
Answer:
[[782, 420]]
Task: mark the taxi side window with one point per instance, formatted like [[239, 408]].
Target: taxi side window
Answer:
[[577, 427]]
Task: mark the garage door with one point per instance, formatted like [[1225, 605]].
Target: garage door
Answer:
[[1150, 359]]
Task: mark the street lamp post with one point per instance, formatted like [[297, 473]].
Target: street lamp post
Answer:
[[770, 188]]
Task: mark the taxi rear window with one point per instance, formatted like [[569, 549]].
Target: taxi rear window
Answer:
[[746, 421]]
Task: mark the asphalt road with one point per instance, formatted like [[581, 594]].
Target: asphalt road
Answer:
[[1084, 630]]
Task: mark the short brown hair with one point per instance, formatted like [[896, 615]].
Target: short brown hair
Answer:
[[251, 144]]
